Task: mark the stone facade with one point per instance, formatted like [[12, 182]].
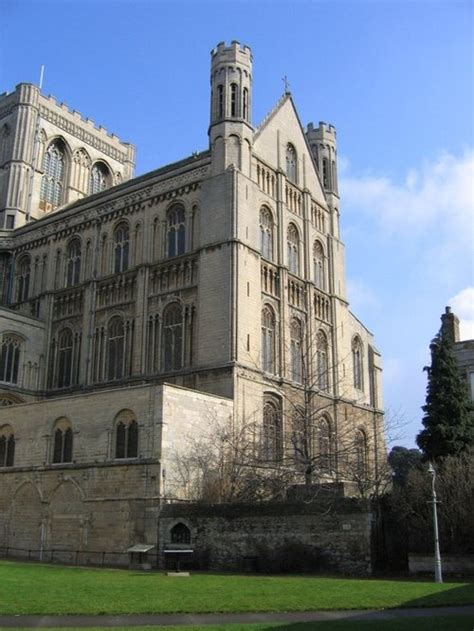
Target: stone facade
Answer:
[[222, 273], [463, 349]]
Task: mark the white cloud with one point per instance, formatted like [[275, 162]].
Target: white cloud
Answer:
[[462, 305], [440, 193]]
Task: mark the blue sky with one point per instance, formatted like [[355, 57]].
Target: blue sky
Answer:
[[396, 78]]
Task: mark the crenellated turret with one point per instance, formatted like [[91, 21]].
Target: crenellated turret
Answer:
[[230, 131], [323, 144]]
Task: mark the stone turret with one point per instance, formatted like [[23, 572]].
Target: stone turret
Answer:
[[323, 144], [230, 131]]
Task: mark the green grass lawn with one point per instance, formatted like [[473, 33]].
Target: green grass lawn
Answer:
[[46, 589], [442, 623]]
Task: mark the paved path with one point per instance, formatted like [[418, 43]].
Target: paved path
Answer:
[[143, 620]]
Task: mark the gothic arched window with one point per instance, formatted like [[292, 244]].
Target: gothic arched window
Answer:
[[23, 279], [115, 349], [10, 348], [271, 444], [326, 174], [296, 350], [73, 262], [360, 452], [220, 101], [268, 340], [62, 448], [172, 344], [99, 178], [64, 370], [324, 444], [245, 104], [176, 231], [266, 233], [122, 247], [357, 363], [293, 249], [291, 161], [7, 446], [234, 104], [322, 367], [54, 168], [126, 435], [318, 265]]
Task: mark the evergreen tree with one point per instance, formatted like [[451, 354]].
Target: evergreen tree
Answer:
[[448, 422]]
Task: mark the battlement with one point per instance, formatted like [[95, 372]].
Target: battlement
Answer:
[[29, 94], [236, 52], [323, 130]]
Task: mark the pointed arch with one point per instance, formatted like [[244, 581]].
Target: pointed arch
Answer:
[[319, 266], [266, 233], [172, 337], [126, 434], [291, 163], [322, 363], [357, 363], [62, 441], [293, 248]]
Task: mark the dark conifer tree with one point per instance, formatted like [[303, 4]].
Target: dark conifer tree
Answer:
[[448, 421]]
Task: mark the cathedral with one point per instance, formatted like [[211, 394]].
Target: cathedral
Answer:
[[137, 311]]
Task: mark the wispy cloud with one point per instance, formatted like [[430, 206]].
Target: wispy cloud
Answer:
[[440, 193], [462, 305]]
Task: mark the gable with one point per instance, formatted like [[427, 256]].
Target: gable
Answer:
[[271, 140]]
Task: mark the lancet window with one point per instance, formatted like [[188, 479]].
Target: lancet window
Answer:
[[10, 349], [318, 265], [62, 447], [268, 340], [357, 363], [172, 336], [296, 351], [7, 446], [322, 367], [122, 248], [126, 435], [73, 263], [271, 443], [176, 231], [23, 279], [293, 249], [291, 163], [266, 233]]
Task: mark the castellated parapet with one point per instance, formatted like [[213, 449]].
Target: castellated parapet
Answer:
[[235, 53]]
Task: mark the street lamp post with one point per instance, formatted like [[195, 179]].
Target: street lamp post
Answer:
[[437, 556]]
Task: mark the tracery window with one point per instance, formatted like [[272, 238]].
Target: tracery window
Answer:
[[23, 278], [126, 435], [176, 231], [52, 182], [115, 349], [322, 368], [291, 162], [180, 533], [268, 340], [296, 350], [7, 446], [122, 248], [271, 444], [172, 344], [73, 263], [293, 249], [357, 363], [62, 448], [10, 349], [266, 233], [99, 178], [318, 265], [360, 452]]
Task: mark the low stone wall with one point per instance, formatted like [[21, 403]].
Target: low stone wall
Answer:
[[461, 564], [332, 535]]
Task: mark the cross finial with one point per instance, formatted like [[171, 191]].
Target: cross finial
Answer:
[[287, 85]]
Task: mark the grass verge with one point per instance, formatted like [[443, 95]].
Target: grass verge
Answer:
[[54, 590]]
